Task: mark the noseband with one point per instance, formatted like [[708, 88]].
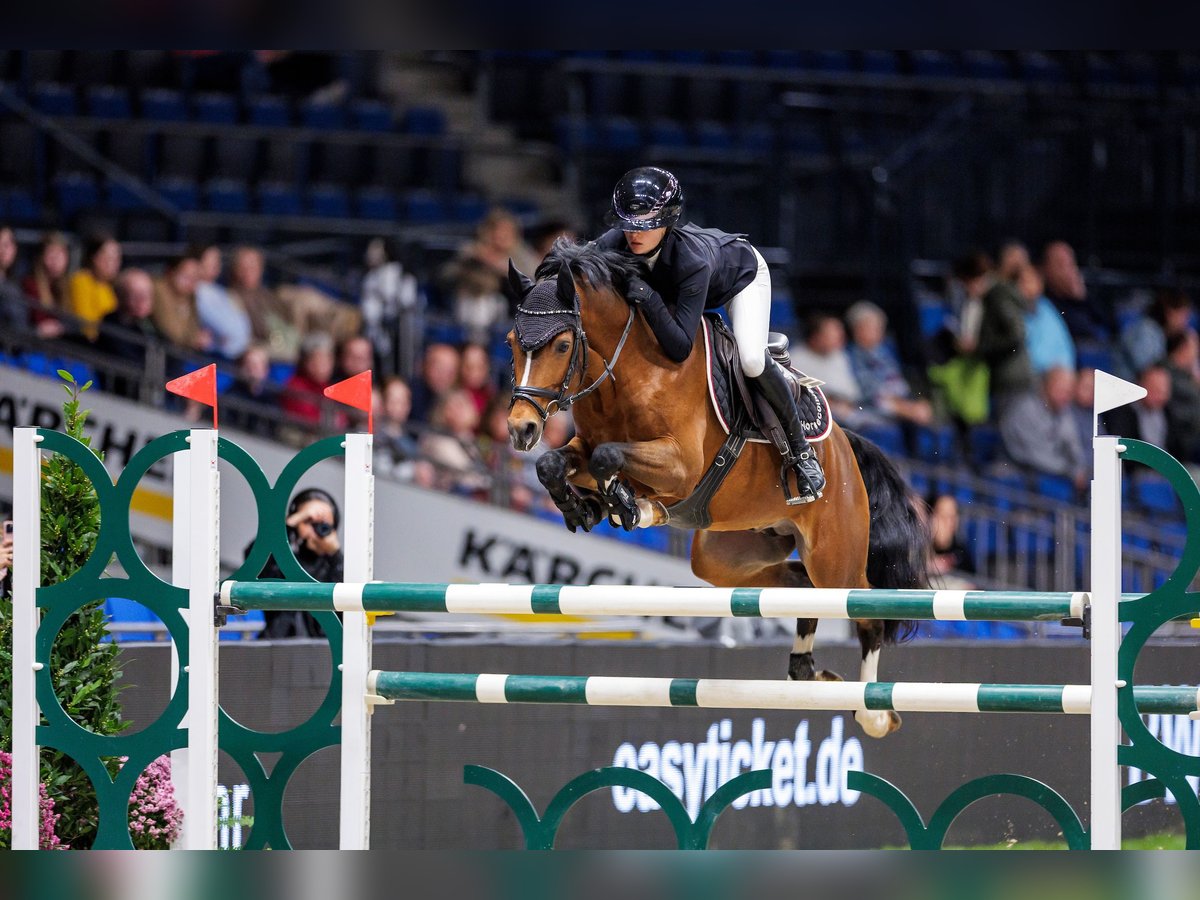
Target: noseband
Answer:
[[560, 399]]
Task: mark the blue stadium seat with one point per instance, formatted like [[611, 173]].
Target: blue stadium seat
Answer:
[[711, 135], [1056, 487], [225, 195], [986, 64], [666, 133], [74, 192], [215, 108], [371, 115], [1095, 358], [919, 483], [163, 105], [755, 137], [422, 207], [105, 101], [619, 133], [984, 444], [785, 59], [933, 317], [119, 197], [936, 443], [1040, 67], [280, 372], [1007, 488], [1155, 494], [424, 120], [576, 133], [278, 199], [933, 64], [468, 208], [54, 99], [688, 57], [376, 203], [119, 610], [879, 62], [329, 200], [830, 60], [326, 116], [1100, 70], [737, 58], [182, 192], [268, 110], [888, 437], [22, 207]]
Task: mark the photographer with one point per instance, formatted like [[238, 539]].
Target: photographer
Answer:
[[312, 522]]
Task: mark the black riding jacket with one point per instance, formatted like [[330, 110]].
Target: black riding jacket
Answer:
[[697, 269]]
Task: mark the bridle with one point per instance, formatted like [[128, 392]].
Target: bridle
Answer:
[[560, 399]]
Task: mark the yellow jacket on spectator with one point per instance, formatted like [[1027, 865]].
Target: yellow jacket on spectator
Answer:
[[91, 300]]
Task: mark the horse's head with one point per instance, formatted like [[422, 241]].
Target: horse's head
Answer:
[[548, 351]]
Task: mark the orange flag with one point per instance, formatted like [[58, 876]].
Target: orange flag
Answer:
[[355, 391], [200, 386]]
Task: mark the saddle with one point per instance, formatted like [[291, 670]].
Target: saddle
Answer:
[[744, 415]]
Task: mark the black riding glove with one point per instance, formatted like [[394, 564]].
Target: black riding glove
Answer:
[[639, 292]]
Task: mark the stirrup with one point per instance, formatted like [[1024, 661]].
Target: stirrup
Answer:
[[807, 488]]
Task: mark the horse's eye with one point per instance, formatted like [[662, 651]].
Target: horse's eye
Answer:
[[562, 346]]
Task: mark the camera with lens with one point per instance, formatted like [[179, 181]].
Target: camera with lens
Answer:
[[322, 528]]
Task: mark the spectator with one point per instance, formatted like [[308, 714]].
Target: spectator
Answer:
[[1039, 431], [1081, 408], [1012, 258], [475, 377], [885, 391], [514, 475], [1047, 340], [823, 355], [389, 302], [303, 392], [355, 355], [220, 312], [1183, 409], [14, 310], [439, 375], [129, 330], [271, 323], [479, 304], [497, 240], [959, 375], [312, 523], [1085, 319], [47, 285], [175, 306], [1003, 347], [1144, 341], [394, 436], [91, 296], [542, 238], [1148, 419], [949, 557], [254, 400], [450, 445]]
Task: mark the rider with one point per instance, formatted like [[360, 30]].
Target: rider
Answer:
[[692, 269]]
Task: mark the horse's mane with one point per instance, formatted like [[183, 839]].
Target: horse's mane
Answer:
[[591, 263]]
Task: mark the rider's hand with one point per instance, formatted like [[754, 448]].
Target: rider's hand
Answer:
[[638, 291]]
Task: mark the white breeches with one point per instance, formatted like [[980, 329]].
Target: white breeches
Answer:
[[750, 315]]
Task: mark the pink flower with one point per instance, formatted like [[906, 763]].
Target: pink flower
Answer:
[[47, 839]]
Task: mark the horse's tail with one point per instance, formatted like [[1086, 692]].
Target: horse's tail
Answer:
[[898, 556]]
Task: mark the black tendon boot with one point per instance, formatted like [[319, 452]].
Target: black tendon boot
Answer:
[[800, 458]]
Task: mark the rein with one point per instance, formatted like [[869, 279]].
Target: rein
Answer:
[[560, 399]]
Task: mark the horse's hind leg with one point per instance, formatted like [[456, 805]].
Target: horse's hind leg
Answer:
[[877, 723], [800, 662]]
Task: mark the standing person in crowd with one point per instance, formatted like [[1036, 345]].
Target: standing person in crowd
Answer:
[[475, 376], [1183, 409], [127, 332], [1011, 260], [1039, 432], [451, 447], [314, 372], [959, 374], [438, 376], [252, 401], [1047, 339], [220, 312], [479, 305], [312, 529], [1003, 346], [91, 296], [175, 306], [1144, 341], [1090, 323], [271, 323], [497, 240], [390, 302], [14, 310], [47, 285], [885, 390]]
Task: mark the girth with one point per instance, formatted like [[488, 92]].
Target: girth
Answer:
[[692, 511]]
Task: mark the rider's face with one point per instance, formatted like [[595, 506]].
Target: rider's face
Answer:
[[644, 241]]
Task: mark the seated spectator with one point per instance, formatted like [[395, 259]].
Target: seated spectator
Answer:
[[47, 286], [1039, 433], [90, 294], [451, 447], [480, 307], [253, 398], [1011, 259], [304, 391], [127, 331], [1047, 340], [175, 306], [1183, 409], [219, 311], [823, 355], [475, 376], [354, 356], [395, 441], [949, 557], [1081, 408], [885, 391], [1003, 347], [438, 376], [497, 240], [543, 236], [14, 310], [1148, 419], [1144, 341], [514, 475], [1088, 322]]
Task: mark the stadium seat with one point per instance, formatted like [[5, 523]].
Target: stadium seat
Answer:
[[710, 135], [75, 192], [887, 436], [666, 134], [757, 138], [1040, 67], [936, 443], [785, 59], [424, 120], [323, 115], [1155, 494], [983, 444], [879, 62], [22, 207], [128, 149], [337, 162], [182, 192], [371, 115], [423, 207], [1057, 488], [54, 99], [225, 195], [985, 64], [120, 197], [830, 60], [180, 156], [278, 199], [268, 110], [235, 156], [121, 611], [162, 105], [376, 203], [933, 317], [620, 134], [329, 200], [95, 66], [468, 208], [933, 64], [108, 102], [215, 108]]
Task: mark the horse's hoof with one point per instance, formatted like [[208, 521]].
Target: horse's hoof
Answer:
[[826, 675], [878, 723]]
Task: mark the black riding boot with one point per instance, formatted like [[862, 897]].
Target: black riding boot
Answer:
[[800, 458]]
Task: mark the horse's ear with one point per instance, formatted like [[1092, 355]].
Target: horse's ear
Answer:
[[517, 279], [566, 286]]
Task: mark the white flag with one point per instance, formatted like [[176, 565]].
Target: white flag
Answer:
[[1112, 392]]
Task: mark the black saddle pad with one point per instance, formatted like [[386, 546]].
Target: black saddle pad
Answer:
[[731, 395]]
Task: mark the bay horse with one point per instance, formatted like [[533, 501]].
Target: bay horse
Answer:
[[646, 433]]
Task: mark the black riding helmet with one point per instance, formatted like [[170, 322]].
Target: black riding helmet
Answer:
[[645, 198]]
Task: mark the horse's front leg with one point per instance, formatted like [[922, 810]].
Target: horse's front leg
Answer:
[[580, 508], [658, 464]]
